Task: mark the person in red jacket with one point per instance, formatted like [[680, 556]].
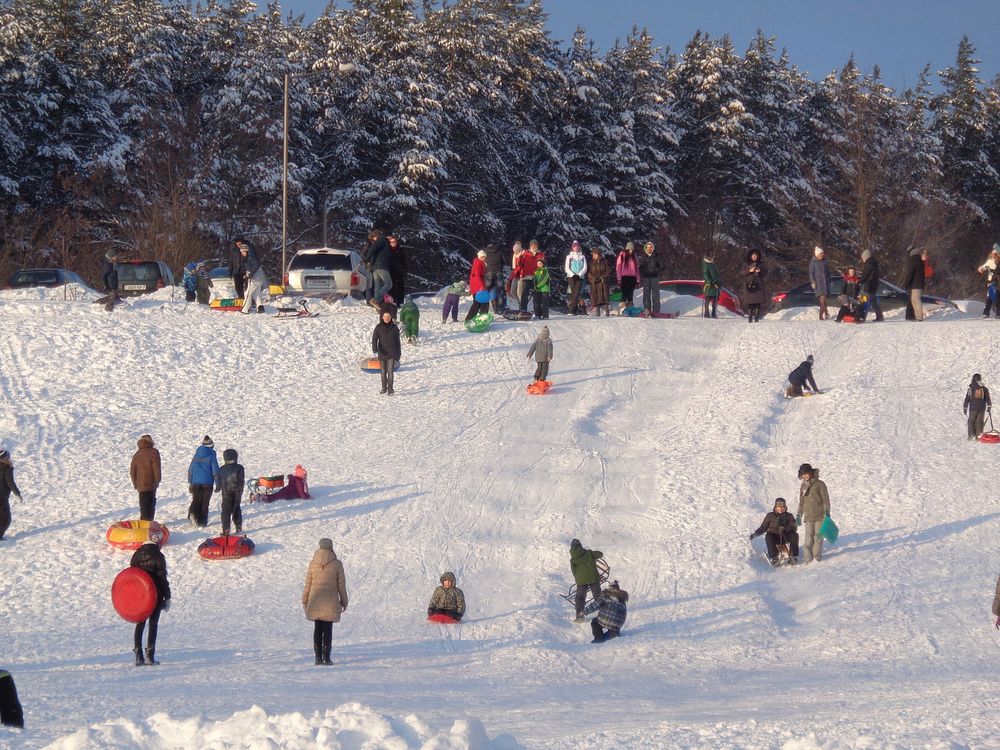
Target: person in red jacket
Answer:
[[477, 284], [526, 267]]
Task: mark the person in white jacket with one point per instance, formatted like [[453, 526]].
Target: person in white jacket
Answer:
[[576, 271], [992, 278]]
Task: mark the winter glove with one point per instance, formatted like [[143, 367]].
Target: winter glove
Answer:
[[753, 535], [965, 411], [19, 498], [165, 606], [798, 520]]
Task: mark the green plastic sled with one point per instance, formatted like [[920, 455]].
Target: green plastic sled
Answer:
[[828, 530], [479, 323], [616, 295]]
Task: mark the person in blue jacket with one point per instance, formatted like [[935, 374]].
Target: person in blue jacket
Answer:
[[203, 475]]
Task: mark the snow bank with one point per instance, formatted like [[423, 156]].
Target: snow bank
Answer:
[[349, 726]]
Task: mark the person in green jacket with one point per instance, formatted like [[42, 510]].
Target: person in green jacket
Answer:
[[710, 273], [583, 563], [542, 288], [814, 506], [409, 316]]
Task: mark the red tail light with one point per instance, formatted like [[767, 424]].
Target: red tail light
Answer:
[[284, 280], [355, 279], [778, 298]]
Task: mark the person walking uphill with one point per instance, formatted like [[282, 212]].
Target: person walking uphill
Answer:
[[627, 272], [203, 475], [977, 403], [7, 488], [145, 474], [710, 275], [388, 349], [231, 479], [754, 294], [150, 559], [542, 349], [814, 506], [324, 598], [583, 563], [576, 269], [820, 279], [650, 268], [598, 277]]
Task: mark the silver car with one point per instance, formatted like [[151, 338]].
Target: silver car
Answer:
[[328, 271]]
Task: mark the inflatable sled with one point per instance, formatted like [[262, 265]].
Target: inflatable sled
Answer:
[[275, 482], [132, 534], [227, 305], [443, 619], [991, 435], [539, 387], [134, 594], [828, 530], [226, 547], [632, 312], [516, 315], [371, 364], [479, 323]]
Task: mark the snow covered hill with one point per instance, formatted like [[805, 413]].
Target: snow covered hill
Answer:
[[663, 443]]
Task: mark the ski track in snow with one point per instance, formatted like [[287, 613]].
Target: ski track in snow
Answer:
[[663, 443]]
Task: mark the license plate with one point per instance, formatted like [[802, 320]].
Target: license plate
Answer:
[[319, 283], [134, 287]]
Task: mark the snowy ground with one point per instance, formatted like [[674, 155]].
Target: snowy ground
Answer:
[[663, 444]]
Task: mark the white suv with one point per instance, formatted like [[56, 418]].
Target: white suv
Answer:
[[327, 271]]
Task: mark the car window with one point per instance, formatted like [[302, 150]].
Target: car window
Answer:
[[26, 278], [836, 286], [689, 289], [320, 262], [132, 272]]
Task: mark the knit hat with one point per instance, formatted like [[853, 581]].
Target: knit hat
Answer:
[[976, 378], [481, 254], [866, 255], [575, 543], [914, 250], [229, 455], [4, 455], [630, 246], [325, 543], [780, 501], [576, 243], [449, 576], [809, 358], [806, 469], [111, 255], [818, 251], [207, 441]]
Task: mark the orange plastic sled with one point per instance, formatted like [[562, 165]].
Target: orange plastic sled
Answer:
[[539, 387]]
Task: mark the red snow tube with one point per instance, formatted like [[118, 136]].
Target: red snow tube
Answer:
[[226, 547], [990, 437], [443, 619], [134, 595]]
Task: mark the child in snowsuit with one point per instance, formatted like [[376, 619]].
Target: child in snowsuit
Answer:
[[583, 563], [11, 714], [386, 346], [451, 301], [778, 527], [7, 487], [849, 302], [203, 473], [542, 349], [409, 316], [149, 558], [814, 506], [145, 474], [801, 377], [231, 479], [611, 613], [542, 288], [977, 403], [447, 599]]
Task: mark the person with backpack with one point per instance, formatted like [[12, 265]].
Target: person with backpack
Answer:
[[597, 276], [977, 403], [386, 346], [754, 294], [542, 285], [814, 507], [869, 284], [611, 609], [324, 598], [583, 563], [447, 599], [11, 713], [150, 559], [542, 349], [710, 275], [232, 479], [8, 487], [778, 527], [820, 279], [990, 268], [627, 273], [144, 472], [801, 378], [650, 268], [849, 302], [203, 475], [576, 270]]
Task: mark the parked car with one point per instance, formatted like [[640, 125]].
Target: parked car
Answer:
[[142, 276], [48, 277], [890, 297], [696, 288], [327, 271]]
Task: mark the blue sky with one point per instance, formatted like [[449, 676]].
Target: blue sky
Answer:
[[900, 36]]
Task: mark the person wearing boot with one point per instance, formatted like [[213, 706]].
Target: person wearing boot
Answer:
[[814, 506], [977, 403], [231, 479], [388, 349], [149, 558], [203, 474], [778, 527], [583, 563], [145, 474], [611, 610], [8, 487], [597, 275], [324, 598]]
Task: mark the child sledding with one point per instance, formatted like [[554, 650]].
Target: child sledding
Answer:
[[447, 603]]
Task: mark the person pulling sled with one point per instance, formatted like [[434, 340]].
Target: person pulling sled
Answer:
[[801, 379], [780, 535], [977, 404], [586, 576]]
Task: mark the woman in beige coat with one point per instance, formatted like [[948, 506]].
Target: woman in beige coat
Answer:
[[324, 597]]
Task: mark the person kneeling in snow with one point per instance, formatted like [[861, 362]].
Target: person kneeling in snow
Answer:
[[778, 527], [801, 377], [447, 599], [611, 613]]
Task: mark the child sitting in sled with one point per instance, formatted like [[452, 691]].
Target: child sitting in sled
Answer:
[[780, 535], [447, 600], [611, 610]]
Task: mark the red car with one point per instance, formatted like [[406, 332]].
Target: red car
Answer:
[[696, 288]]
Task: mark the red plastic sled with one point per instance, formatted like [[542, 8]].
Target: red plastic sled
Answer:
[[134, 595], [226, 547], [539, 387], [990, 437], [444, 619]]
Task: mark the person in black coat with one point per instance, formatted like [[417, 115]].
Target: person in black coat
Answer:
[[779, 528], [495, 282], [11, 713], [238, 265], [869, 283], [7, 487], [977, 403], [801, 377], [231, 479], [386, 346], [914, 283], [397, 270], [109, 274], [150, 559], [650, 268], [754, 293], [380, 257]]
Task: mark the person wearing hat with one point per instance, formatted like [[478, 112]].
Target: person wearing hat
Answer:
[[611, 609], [869, 284], [977, 403], [203, 475], [814, 506], [778, 528], [447, 599], [232, 478], [238, 255], [526, 273], [542, 349], [992, 270], [576, 269], [387, 347], [543, 285], [144, 471], [850, 303], [914, 284], [754, 294], [820, 279], [8, 487], [583, 563], [597, 276], [710, 275], [801, 378], [493, 277], [477, 284], [650, 268], [627, 273], [150, 558], [324, 598], [256, 280]]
